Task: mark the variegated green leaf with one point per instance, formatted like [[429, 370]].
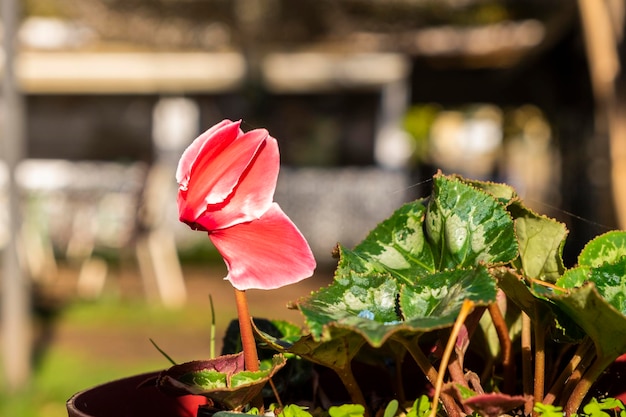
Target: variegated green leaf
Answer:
[[467, 226]]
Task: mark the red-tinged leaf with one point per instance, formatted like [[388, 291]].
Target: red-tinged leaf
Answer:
[[487, 405], [222, 379], [225, 364], [494, 404], [266, 253]]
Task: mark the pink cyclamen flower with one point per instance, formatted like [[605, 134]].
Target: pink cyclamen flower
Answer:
[[226, 182]]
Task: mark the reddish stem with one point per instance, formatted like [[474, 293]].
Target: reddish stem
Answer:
[[527, 357], [455, 369], [502, 331], [540, 361], [250, 356], [352, 386], [583, 386], [570, 372], [452, 408]]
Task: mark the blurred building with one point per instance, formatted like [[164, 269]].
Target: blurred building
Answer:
[[366, 98]]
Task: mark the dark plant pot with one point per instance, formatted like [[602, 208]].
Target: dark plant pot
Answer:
[[126, 398], [613, 382], [620, 371]]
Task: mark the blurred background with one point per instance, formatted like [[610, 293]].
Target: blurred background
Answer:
[[367, 98]]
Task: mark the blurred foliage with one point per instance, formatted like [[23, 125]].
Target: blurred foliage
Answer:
[[63, 371], [417, 122], [201, 252], [44, 8]]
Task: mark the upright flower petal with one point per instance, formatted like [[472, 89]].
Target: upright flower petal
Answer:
[[227, 180], [254, 194], [216, 172], [266, 253], [210, 140]]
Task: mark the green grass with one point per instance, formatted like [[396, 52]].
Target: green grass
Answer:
[[63, 372], [110, 311], [60, 375]]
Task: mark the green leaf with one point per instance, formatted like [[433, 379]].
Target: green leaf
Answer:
[[435, 301], [467, 226], [368, 307], [601, 321], [464, 392], [347, 410], [541, 242], [504, 193], [610, 280], [205, 379], [293, 410], [288, 331], [358, 301], [517, 291], [535, 302], [400, 252], [574, 277], [391, 409], [244, 378], [596, 409], [610, 404], [602, 262], [335, 352], [548, 410], [421, 407], [397, 245], [607, 248]]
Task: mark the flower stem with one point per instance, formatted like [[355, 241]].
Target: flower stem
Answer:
[[250, 356]]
